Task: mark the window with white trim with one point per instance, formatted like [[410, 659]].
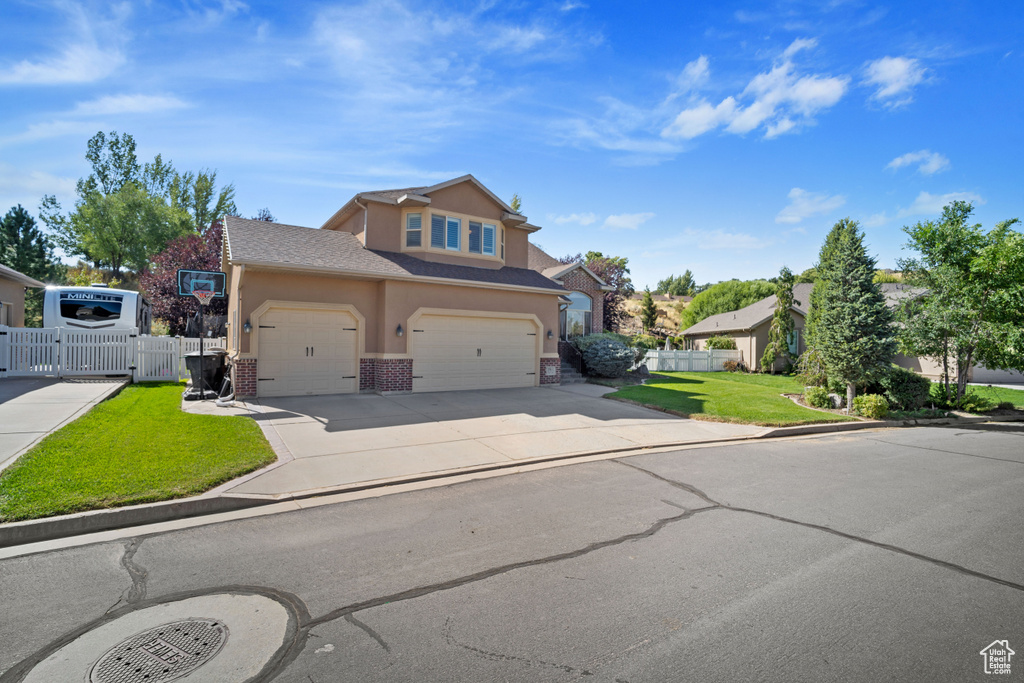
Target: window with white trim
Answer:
[[481, 238], [437, 231], [575, 319], [414, 229]]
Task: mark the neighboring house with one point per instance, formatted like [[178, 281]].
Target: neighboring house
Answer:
[[583, 312], [418, 289], [12, 296], [749, 327]]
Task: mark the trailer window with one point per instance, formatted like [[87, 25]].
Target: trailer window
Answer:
[[90, 308]]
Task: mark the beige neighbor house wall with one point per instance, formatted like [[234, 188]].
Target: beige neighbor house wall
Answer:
[[752, 343], [12, 294]]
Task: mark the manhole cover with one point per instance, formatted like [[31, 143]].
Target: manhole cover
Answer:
[[164, 653]]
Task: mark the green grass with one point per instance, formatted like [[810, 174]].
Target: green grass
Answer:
[[727, 397], [999, 395], [138, 447]]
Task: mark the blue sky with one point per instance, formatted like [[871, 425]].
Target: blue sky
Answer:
[[723, 138]]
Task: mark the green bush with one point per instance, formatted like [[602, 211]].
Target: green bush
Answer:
[[646, 341], [871, 405], [817, 397], [723, 343], [970, 403], [608, 358], [903, 389], [582, 343]]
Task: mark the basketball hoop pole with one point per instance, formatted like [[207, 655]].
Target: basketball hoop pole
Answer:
[[202, 297]]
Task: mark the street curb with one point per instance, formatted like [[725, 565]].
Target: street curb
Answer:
[[32, 531]]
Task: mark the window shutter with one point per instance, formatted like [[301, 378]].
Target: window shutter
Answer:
[[437, 231], [413, 229], [454, 230], [489, 231]]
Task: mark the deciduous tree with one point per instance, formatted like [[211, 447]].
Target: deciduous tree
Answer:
[[614, 271], [681, 285], [726, 296], [971, 301]]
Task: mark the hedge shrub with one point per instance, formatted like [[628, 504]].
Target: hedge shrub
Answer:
[[608, 358], [817, 397], [871, 405], [903, 389], [720, 343]]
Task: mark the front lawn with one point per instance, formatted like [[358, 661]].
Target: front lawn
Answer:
[[727, 397], [998, 394], [138, 447]]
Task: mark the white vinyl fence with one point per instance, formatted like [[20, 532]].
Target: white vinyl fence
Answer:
[[690, 361], [66, 352]]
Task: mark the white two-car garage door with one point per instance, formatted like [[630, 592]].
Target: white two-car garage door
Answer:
[[306, 352], [456, 352]]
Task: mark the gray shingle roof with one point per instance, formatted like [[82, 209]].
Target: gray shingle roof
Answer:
[[21, 278], [539, 260], [753, 315], [756, 313], [291, 246]]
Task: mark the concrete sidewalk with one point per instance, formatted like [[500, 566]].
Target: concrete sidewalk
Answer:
[[329, 442], [32, 407]]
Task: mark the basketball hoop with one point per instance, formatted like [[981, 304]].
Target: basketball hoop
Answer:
[[204, 296]]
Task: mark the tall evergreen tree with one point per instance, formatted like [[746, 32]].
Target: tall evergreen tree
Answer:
[[853, 330], [648, 311], [781, 330], [27, 250]]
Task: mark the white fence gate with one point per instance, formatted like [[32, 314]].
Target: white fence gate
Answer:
[[66, 352], [690, 361]]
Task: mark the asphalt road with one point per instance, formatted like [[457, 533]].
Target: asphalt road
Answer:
[[876, 556]]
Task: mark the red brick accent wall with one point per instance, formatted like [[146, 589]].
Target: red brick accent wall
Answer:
[[579, 281], [546, 378], [367, 366], [244, 379], [393, 374]]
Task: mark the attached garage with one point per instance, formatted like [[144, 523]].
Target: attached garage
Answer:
[[307, 351], [452, 352]]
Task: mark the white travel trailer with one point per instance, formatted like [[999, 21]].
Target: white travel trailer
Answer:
[[95, 308]]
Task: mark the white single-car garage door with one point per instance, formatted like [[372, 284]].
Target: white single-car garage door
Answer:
[[307, 352], [456, 352]]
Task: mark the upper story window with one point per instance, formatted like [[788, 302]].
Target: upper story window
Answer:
[[481, 238], [446, 232], [413, 229]]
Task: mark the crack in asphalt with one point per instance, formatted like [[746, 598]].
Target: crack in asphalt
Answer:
[[369, 631], [501, 657], [939, 450], [715, 505], [421, 591], [136, 572]]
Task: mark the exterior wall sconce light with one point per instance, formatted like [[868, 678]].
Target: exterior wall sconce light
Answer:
[[551, 335], [399, 331], [247, 327]]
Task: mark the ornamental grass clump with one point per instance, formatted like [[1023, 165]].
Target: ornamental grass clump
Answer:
[[608, 358]]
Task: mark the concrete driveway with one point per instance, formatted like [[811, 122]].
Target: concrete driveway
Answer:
[[332, 441], [32, 407]]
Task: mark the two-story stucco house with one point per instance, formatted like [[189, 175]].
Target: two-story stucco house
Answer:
[[418, 289]]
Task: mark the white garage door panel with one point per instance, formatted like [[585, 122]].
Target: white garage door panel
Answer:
[[452, 352], [307, 352]]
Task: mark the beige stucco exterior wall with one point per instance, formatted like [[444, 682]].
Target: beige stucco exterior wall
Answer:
[[386, 304], [12, 294], [752, 343], [516, 247], [922, 366], [466, 198]]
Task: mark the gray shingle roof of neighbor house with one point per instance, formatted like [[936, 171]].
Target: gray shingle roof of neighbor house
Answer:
[[292, 247], [12, 274], [751, 316], [546, 265]]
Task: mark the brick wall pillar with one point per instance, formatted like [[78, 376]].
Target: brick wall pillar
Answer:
[[550, 371], [367, 374], [393, 375], [244, 379]]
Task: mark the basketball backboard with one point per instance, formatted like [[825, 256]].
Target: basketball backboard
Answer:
[[191, 281]]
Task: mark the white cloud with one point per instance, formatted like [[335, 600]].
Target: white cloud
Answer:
[[128, 104], [932, 204], [84, 57], [804, 204], [580, 218], [928, 162], [570, 5], [50, 129], [876, 220], [626, 221], [26, 187], [894, 78], [720, 239], [780, 100], [694, 75]]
